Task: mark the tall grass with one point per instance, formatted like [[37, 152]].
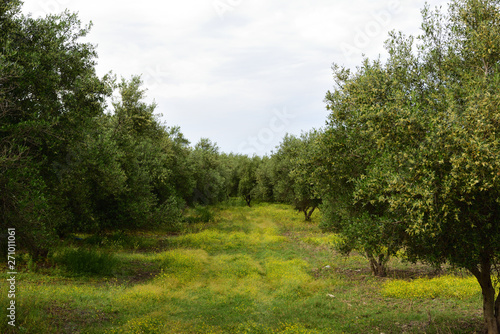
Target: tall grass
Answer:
[[83, 261]]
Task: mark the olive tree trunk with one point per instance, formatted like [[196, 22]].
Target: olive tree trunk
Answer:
[[308, 214], [378, 264], [491, 305]]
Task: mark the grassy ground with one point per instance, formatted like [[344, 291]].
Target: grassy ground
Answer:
[[249, 270]]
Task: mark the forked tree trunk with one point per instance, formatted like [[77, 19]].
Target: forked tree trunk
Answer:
[[490, 305], [248, 199], [309, 213], [378, 265]]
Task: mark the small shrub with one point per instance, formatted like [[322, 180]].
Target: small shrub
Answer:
[[201, 214], [84, 262], [233, 202], [168, 216], [96, 239], [205, 214]]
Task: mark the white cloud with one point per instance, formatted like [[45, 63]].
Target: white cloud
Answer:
[[221, 71]]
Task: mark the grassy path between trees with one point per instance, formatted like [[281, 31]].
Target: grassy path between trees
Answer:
[[249, 270]]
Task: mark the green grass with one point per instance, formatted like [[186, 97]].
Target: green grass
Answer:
[[245, 270], [81, 261]]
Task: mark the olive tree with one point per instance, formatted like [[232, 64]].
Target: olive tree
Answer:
[[247, 180], [432, 113], [264, 189], [345, 152], [209, 173], [50, 94], [292, 170]]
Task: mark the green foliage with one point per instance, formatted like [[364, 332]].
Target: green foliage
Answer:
[[247, 177], [200, 214], [408, 161], [49, 93], [209, 174], [67, 166], [264, 177], [125, 173], [305, 188], [90, 178], [346, 154], [412, 145], [290, 170]]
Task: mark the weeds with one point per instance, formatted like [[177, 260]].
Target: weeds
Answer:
[[439, 287], [200, 214], [83, 261], [245, 270]]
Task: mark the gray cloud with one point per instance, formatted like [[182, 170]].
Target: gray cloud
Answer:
[[223, 68]]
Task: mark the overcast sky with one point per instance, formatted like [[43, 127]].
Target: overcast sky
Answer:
[[240, 72]]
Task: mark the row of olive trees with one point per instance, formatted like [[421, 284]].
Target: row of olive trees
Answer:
[[409, 159], [408, 162], [50, 99], [71, 163], [286, 176]]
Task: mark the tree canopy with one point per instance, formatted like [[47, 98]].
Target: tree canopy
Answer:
[[412, 144]]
